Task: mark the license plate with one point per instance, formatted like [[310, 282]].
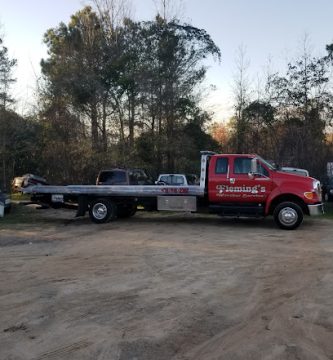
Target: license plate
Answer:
[[57, 198]]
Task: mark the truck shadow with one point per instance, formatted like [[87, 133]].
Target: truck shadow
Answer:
[[199, 220], [67, 218], [210, 220]]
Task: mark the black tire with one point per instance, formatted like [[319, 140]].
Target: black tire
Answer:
[[102, 211], [288, 215], [126, 212]]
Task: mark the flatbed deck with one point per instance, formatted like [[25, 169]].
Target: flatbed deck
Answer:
[[117, 190]]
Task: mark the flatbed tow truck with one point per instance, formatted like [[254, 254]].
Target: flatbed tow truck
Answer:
[[237, 185]]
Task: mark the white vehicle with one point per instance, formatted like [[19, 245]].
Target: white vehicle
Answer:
[[177, 179], [295, 171]]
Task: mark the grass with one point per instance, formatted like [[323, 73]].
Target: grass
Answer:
[[19, 196], [21, 215]]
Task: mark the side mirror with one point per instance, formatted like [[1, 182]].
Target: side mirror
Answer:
[[251, 175], [254, 166]]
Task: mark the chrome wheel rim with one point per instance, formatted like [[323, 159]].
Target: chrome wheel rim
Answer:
[[99, 211], [288, 216]]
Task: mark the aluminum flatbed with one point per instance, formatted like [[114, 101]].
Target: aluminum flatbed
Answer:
[[117, 190], [106, 202]]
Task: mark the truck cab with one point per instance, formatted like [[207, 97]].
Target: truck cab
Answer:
[[247, 185]]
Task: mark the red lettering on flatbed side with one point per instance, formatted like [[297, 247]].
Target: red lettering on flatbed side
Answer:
[[175, 190]]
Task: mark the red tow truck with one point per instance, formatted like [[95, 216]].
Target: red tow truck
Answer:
[[236, 185]]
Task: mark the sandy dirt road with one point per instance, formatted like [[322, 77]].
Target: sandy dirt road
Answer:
[[165, 287]]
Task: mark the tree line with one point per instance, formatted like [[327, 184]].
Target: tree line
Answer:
[[118, 92], [289, 118]]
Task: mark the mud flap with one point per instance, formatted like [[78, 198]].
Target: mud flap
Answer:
[[83, 206]]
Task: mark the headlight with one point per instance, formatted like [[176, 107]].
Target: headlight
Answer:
[[317, 188], [316, 184]]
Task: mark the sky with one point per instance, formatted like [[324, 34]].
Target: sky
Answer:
[[265, 29]]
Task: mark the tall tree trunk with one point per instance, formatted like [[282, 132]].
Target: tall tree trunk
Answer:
[[94, 128], [159, 159], [104, 132], [131, 121], [4, 177]]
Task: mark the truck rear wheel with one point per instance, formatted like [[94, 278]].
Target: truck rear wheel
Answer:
[[288, 215], [126, 212], [102, 211]]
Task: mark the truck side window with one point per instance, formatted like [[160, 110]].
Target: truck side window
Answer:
[[242, 165], [133, 178], [262, 170], [221, 166], [177, 180], [166, 179]]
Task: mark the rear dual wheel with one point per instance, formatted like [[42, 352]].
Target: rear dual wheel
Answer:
[[126, 212], [102, 211]]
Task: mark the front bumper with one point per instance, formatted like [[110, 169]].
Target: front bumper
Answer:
[[315, 210]]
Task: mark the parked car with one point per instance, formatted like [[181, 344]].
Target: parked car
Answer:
[[294, 170], [123, 177], [327, 189], [5, 201], [27, 180], [177, 179]]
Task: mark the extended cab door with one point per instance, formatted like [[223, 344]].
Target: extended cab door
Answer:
[[218, 177], [249, 189], [229, 180]]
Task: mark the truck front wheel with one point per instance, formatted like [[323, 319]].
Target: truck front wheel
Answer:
[[288, 215], [102, 211]]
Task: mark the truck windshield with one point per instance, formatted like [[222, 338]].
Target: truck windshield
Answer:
[[266, 163]]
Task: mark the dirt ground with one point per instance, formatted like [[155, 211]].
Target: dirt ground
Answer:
[[165, 287]]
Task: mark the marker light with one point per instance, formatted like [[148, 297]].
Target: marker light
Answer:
[[308, 195]]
